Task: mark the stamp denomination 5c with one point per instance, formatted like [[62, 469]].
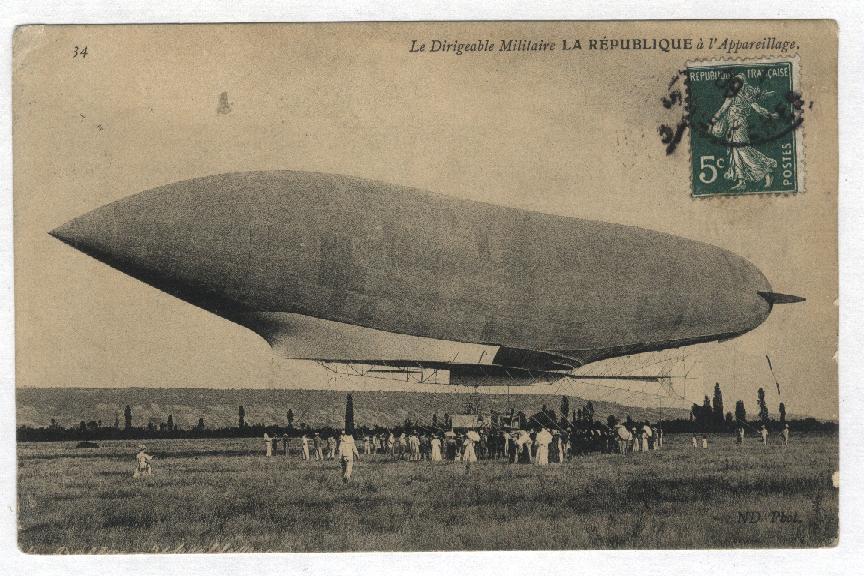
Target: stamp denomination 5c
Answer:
[[745, 119]]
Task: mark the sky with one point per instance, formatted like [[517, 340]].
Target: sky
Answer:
[[574, 135]]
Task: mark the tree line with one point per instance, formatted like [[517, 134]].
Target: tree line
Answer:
[[707, 417]]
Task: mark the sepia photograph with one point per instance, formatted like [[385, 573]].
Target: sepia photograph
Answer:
[[426, 286]]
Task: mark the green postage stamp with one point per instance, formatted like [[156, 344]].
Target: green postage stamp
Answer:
[[745, 127]]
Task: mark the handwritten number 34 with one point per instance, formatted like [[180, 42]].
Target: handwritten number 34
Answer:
[[82, 52]]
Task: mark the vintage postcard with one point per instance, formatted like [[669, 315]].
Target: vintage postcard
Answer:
[[426, 286]]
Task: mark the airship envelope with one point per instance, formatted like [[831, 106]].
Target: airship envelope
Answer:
[[342, 269]]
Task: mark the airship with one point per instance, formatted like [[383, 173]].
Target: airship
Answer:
[[346, 270]]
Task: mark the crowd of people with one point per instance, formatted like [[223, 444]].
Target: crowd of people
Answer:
[[539, 446]]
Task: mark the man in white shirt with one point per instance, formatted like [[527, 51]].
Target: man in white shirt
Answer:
[[543, 439]]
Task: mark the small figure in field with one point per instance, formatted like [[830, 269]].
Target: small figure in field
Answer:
[[786, 435], [268, 445], [764, 433], [436, 449], [543, 439], [739, 438], [304, 444], [316, 444], [695, 442], [471, 439], [347, 454], [704, 441], [624, 438], [331, 448], [285, 443], [143, 459], [646, 435]]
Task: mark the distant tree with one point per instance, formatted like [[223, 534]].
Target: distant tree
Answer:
[[782, 409], [127, 417], [435, 420], [83, 426], [763, 408], [730, 421], [200, 425], [565, 406], [241, 418], [628, 422], [717, 406], [612, 421], [589, 412], [54, 425], [116, 421], [290, 417], [170, 424], [349, 414], [447, 421], [579, 415], [740, 412]]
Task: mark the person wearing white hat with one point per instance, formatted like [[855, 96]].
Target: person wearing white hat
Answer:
[[347, 454], [143, 463]]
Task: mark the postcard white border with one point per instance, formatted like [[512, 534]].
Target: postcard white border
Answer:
[[839, 560]]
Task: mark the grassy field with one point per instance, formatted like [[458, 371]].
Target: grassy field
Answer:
[[224, 495]]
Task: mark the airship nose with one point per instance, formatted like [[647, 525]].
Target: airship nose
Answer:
[[89, 234], [171, 239]]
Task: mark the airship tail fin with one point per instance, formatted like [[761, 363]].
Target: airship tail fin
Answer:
[[778, 298]]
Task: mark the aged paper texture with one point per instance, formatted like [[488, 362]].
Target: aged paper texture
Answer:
[[426, 286]]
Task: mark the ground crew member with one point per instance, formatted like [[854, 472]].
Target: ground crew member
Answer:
[[347, 453], [143, 463], [543, 439], [436, 449], [316, 444], [331, 447], [304, 444]]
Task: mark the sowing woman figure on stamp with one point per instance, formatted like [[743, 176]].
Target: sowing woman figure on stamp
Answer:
[[730, 124]]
